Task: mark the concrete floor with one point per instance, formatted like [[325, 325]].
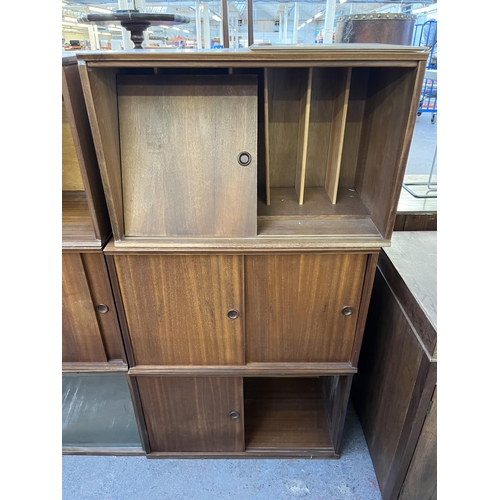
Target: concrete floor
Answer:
[[136, 478]]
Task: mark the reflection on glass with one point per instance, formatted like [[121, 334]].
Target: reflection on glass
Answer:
[[97, 412]]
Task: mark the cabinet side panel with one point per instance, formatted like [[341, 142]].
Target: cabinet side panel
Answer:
[[81, 337], [387, 390], [191, 414], [294, 306], [85, 150], [389, 118], [177, 308], [99, 87], [421, 479]]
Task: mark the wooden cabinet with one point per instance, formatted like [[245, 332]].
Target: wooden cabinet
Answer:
[[91, 336], [395, 391], [249, 193]]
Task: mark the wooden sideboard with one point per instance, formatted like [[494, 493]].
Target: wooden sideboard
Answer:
[[395, 389], [249, 194]]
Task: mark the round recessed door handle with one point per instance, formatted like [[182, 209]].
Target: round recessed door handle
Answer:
[[233, 314], [102, 308], [244, 158], [347, 310], [234, 415]]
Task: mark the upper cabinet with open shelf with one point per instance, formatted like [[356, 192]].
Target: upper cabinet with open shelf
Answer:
[[252, 149], [85, 220]]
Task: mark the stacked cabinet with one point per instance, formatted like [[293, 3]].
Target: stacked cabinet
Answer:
[[91, 333], [97, 409], [249, 195]]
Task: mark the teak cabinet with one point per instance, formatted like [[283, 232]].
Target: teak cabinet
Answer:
[[395, 391], [249, 195], [91, 336]]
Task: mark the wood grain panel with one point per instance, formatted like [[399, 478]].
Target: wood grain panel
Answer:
[[329, 98], [191, 414], [180, 138], [285, 413], [294, 306], [285, 107], [336, 391], [81, 337], [99, 88], [303, 137], [71, 176], [77, 224], [176, 308], [354, 126], [340, 107], [392, 389], [391, 95], [100, 288], [421, 478], [85, 150]]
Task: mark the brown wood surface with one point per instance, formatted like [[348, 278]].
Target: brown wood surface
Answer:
[[81, 336], [77, 225], [78, 120], [343, 236], [410, 268], [336, 391], [180, 138], [421, 480], [176, 308], [191, 414], [347, 55], [248, 370], [337, 134], [294, 307], [389, 97], [418, 223], [100, 289], [316, 205], [71, 176], [353, 126], [392, 389], [285, 413], [285, 108], [89, 336], [303, 138], [99, 88]]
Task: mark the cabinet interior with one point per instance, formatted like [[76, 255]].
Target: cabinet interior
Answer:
[[84, 211], [325, 137], [285, 414]]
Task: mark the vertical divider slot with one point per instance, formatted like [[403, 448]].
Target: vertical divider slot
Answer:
[[302, 139]]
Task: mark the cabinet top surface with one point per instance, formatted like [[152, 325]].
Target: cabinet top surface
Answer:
[[413, 254], [293, 54]]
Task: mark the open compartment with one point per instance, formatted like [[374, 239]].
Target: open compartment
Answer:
[[84, 213], [336, 147], [295, 415]]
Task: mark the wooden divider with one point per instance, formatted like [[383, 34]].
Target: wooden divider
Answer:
[[305, 126]]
